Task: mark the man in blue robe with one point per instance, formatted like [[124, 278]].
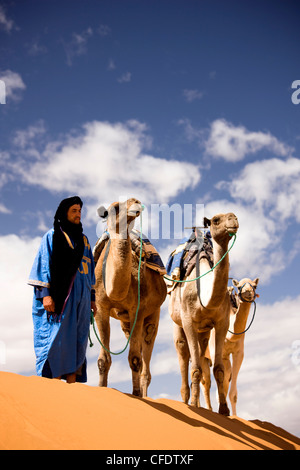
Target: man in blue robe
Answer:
[[63, 278]]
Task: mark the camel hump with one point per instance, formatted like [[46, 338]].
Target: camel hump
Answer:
[[149, 252], [100, 244]]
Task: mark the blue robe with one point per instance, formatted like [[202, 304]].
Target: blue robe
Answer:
[[60, 343]]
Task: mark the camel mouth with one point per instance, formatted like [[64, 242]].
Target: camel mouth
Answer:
[[135, 210], [232, 229]]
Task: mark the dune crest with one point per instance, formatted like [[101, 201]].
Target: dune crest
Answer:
[[38, 413]]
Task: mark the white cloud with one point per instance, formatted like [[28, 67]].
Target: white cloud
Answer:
[[4, 209], [102, 163], [104, 30], [5, 23], [270, 184], [268, 383], [233, 143], [111, 65], [125, 78], [77, 45], [251, 255], [266, 199], [13, 84], [192, 95], [17, 255]]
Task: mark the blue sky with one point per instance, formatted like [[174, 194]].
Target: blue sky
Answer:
[[174, 102]]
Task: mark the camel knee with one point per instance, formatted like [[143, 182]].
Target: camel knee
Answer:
[[150, 332], [104, 363], [145, 381], [219, 373], [135, 362], [233, 395], [182, 347], [196, 375]]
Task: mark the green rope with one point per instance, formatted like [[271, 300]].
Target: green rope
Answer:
[[242, 332], [138, 304], [202, 275]]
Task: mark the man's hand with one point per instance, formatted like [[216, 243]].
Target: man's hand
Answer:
[[94, 308], [49, 304]]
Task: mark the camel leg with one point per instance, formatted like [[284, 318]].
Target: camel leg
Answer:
[[227, 372], [205, 365], [196, 371], [220, 334], [150, 332], [104, 359], [135, 357], [237, 360], [183, 354]]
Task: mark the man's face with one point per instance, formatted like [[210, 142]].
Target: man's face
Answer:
[[74, 214]]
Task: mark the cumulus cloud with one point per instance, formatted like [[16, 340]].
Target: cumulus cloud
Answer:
[[251, 255], [271, 184], [77, 45], [265, 196], [103, 162], [233, 143], [268, 383], [125, 78], [192, 95], [5, 23], [14, 84], [17, 255]]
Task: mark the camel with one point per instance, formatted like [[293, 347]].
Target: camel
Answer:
[[117, 296], [198, 307], [234, 343]]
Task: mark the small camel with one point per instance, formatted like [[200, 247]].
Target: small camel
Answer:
[[234, 343], [199, 306], [117, 296]]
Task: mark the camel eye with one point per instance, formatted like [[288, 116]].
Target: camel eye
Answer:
[[216, 220]]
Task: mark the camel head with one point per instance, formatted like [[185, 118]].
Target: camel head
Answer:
[[221, 226], [246, 289], [121, 215]]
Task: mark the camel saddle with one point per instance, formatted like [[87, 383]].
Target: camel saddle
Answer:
[[149, 254], [182, 261]]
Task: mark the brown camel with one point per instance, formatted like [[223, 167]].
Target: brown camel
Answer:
[[234, 343], [117, 296], [198, 307]]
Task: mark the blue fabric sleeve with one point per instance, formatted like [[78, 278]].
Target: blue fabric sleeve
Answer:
[[41, 292]]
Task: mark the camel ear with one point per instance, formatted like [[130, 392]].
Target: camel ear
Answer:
[[206, 222], [256, 281], [102, 212], [235, 282]]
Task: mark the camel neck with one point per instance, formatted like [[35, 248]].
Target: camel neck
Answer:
[[239, 320], [118, 271], [220, 276]]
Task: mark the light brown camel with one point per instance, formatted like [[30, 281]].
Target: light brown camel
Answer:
[[117, 297], [234, 343], [198, 307]]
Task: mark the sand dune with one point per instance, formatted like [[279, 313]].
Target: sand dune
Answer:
[[37, 413]]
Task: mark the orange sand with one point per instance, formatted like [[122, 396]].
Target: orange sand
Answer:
[[37, 413]]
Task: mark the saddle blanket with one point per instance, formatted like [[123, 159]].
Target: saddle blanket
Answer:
[[182, 261], [149, 253]]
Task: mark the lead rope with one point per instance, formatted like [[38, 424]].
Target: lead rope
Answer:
[[232, 332], [138, 304], [214, 267]]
